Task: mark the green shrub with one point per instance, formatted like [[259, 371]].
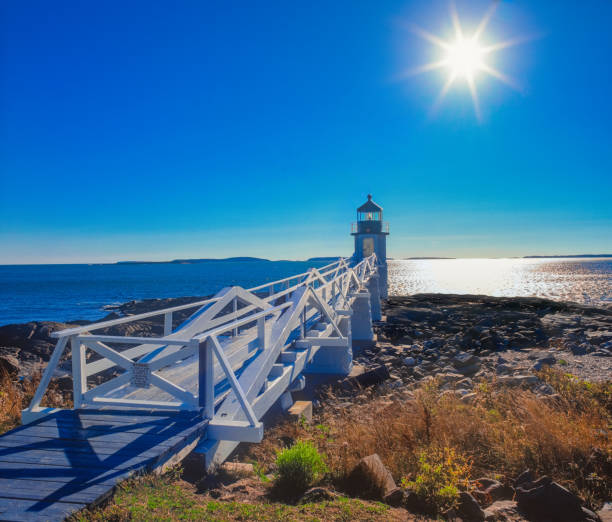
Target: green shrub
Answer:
[[298, 467], [439, 477]]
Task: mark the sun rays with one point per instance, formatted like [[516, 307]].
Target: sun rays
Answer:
[[464, 57]]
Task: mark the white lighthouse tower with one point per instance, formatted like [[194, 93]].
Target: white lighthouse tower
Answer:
[[370, 234]]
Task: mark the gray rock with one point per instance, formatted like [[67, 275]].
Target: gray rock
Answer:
[[9, 364], [547, 500], [468, 508], [464, 359], [469, 371], [518, 380], [465, 383], [503, 511], [409, 361], [370, 479]]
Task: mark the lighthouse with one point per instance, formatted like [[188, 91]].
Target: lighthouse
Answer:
[[370, 233]]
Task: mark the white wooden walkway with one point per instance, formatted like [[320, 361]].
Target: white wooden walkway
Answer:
[[206, 385]]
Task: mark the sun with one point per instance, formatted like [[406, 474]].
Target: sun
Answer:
[[465, 57]]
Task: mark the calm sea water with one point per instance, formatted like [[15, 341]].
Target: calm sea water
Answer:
[[65, 292], [587, 281]]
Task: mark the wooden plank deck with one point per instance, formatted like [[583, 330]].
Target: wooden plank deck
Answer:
[[74, 458]]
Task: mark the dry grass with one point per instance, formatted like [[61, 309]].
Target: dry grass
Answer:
[[15, 395], [501, 433]]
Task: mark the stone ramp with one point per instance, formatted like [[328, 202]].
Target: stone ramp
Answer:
[[71, 459]]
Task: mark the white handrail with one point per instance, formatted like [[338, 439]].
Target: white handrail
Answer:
[[338, 276]]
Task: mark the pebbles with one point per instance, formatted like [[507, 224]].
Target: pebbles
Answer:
[[454, 337]]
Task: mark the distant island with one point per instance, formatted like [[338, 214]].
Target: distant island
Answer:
[[576, 255], [215, 260], [421, 258], [192, 261]]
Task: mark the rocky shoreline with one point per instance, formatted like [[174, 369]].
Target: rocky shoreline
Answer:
[[459, 337], [423, 335], [460, 344]]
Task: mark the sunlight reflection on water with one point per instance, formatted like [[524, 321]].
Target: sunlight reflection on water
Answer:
[[586, 281]]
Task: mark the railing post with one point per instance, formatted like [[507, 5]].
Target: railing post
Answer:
[[303, 323], [261, 332], [167, 323], [235, 309], [79, 379], [206, 378]]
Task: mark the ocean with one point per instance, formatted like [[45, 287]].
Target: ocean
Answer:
[[70, 292]]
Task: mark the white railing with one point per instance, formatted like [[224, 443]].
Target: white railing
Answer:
[[224, 332]]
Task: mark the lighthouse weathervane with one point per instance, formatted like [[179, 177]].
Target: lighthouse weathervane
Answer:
[[370, 234]]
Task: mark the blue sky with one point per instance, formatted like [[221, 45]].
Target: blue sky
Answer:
[[157, 130]]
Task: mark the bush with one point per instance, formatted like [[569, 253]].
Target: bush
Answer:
[[298, 467], [440, 475]]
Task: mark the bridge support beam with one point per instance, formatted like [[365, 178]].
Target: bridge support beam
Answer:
[[334, 358], [373, 287], [361, 321]]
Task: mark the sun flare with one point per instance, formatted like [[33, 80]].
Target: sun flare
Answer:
[[465, 56]]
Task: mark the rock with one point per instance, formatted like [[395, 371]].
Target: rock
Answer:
[[598, 336], [468, 508], [371, 377], [503, 511], [464, 359], [517, 380], [395, 497], [469, 370], [547, 360], [9, 364], [525, 476], [409, 361], [502, 368], [318, 494], [449, 377], [370, 479], [544, 500], [466, 383], [491, 490], [237, 468], [578, 349]]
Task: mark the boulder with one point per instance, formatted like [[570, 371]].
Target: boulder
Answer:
[[525, 476], [370, 479], [409, 361], [503, 511], [518, 380], [545, 500], [469, 371], [464, 359], [9, 364], [395, 498], [371, 377], [490, 490], [468, 508]]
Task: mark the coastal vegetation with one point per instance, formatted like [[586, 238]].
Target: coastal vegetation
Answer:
[[466, 402], [435, 446]]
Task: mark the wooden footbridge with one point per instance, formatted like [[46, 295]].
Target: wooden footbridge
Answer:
[[143, 403]]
